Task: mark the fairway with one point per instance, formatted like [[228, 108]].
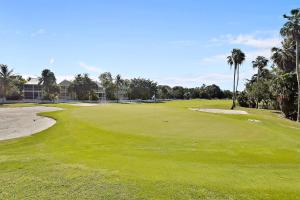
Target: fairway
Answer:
[[155, 151]]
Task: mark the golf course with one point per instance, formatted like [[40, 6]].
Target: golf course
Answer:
[[154, 151]]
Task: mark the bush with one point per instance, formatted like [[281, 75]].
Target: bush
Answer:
[[243, 99]]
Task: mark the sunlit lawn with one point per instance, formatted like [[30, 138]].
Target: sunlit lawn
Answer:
[[154, 151]]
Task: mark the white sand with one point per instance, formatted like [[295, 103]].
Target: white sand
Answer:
[[84, 104], [222, 111], [23, 121]]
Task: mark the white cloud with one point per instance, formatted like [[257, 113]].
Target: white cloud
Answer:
[[258, 39], [213, 59], [258, 43], [51, 61], [251, 55], [40, 31], [253, 41], [90, 68]]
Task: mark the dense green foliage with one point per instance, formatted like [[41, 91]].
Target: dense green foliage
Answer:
[[280, 87], [140, 88], [49, 85], [155, 151], [84, 87], [5, 80]]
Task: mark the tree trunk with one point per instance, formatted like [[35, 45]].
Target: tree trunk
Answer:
[[233, 91], [257, 79], [237, 80], [298, 77]]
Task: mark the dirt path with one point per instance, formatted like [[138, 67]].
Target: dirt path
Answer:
[[23, 121]]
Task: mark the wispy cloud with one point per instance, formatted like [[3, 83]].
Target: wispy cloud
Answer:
[[256, 43], [213, 59], [38, 32], [90, 68], [51, 61], [251, 40]]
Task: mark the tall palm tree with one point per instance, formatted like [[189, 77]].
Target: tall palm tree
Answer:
[[230, 62], [5, 78], [291, 29], [260, 63], [240, 58], [236, 58]]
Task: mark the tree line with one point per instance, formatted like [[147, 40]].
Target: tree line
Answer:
[[116, 88], [276, 87]]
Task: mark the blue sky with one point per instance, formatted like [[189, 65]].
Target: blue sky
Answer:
[[175, 42]]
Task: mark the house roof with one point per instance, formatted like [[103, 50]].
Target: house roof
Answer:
[[32, 81], [65, 83]]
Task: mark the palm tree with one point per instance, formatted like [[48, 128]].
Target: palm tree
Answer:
[[48, 82], [230, 62], [284, 57], [260, 63], [5, 78], [240, 58], [291, 29], [236, 58]]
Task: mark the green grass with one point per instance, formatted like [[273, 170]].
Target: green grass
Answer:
[[154, 151]]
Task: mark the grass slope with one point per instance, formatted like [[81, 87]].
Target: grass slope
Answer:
[[154, 151]]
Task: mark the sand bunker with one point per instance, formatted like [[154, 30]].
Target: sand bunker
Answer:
[[222, 111], [23, 121], [84, 104]]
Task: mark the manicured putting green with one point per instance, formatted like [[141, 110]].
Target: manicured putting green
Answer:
[[155, 151]]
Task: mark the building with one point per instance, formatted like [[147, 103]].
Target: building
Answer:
[[32, 90], [64, 93]]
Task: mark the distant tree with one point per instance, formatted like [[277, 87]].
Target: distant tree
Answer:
[[178, 92], [260, 63], [243, 99], [141, 88], [49, 86], [291, 29], [15, 91], [227, 94], [213, 91], [107, 82], [84, 87], [202, 92], [164, 92], [5, 79]]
